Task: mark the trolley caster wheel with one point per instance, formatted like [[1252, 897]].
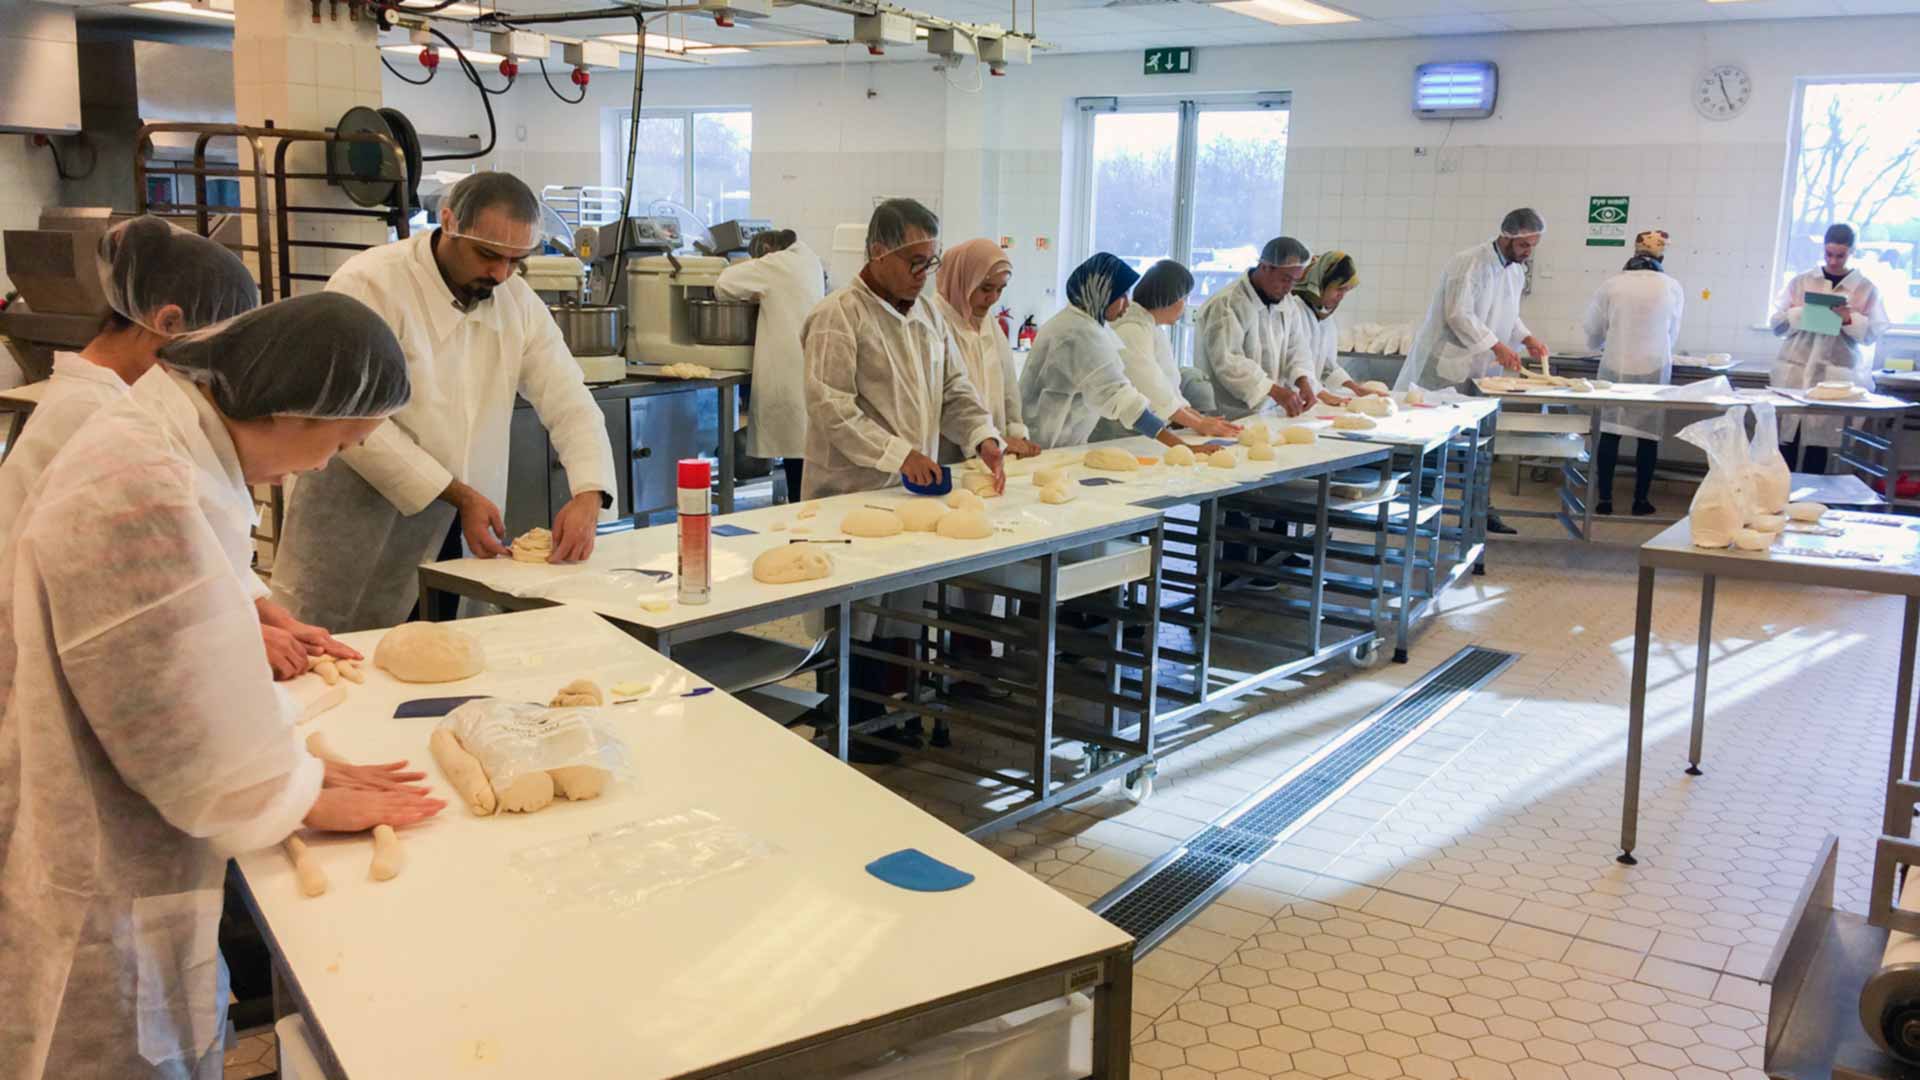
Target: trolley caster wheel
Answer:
[[1098, 758], [1364, 656], [1140, 783]]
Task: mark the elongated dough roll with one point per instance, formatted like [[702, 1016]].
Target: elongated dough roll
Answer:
[[389, 858], [313, 880], [463, 771]]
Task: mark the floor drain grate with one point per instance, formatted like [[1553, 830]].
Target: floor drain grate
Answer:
[[1161, 898]]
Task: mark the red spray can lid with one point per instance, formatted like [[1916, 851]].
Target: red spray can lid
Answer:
[[696, 473]]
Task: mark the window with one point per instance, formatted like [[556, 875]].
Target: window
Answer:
[[1855, 158], [700, 158], [1196, 180]]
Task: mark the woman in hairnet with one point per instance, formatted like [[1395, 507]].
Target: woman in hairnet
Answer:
[[971, 278], [785, 278], [1146, 353], [160, 282], [1074, 377], [142, 741], [1635, 320], [1808, 357], [1328, 280]]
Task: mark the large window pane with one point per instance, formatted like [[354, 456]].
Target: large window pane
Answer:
[[1857, 160], [1133, 184], [660, 171], [1240, 156], [722, 166]]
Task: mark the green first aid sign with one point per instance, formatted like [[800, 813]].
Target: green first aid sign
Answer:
[[1169, 60], [1607, 221]]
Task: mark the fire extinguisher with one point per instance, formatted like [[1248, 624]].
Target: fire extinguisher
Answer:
[[1005, 319], [1028, 331]]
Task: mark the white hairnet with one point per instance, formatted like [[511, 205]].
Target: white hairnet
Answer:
[[1284, 251], [506, 192], [147, 264], [1525, 221], [324, 355], [888, 226]]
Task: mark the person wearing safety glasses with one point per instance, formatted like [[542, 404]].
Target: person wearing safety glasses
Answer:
[[1254, 345], [476, 336]]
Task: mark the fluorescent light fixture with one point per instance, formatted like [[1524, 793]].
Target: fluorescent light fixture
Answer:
[[1455, 91], [478, 56], [667, 43], [181, 7], [1287, 12]]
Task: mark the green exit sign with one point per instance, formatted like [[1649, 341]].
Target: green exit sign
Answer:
[[1169, 60]]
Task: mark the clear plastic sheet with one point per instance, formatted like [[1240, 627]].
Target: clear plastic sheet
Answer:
[[1721, 504], [619, 867], [514, 738]]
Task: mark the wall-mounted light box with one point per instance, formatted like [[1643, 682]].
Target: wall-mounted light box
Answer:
[[1456, 91]]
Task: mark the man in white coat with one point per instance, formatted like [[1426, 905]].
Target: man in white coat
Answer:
[[785, 278], [1635, 320], [1808, 358], [475, 335], [1253, 345]]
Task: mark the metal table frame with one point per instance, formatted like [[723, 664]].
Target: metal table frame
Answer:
[[727, 385]]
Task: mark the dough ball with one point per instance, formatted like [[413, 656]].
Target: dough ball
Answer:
[[1753, 540], [980, 485], [534, 545], [871, 522], [921, 515], [533, 791], [1806, 511], [1223, 458], [791, 563], [1058, 493], [1180, 455], [687, 371], [1416, 396], [1046, 478], [966, 525], [422, 652], [1299, 435], [1373, 406], [1376, 386], [1834, 392], [1110, 459], [578, 693], [1768, 523], [1714, 522], [1255, 434], [1260, 453], [961, 499], [578, 782], [1769, 484], [1602, 384], [1354, 422]]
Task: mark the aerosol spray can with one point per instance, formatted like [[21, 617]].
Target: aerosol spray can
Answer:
[[695, 498]]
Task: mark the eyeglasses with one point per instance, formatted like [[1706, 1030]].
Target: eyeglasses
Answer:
[[923, 264]]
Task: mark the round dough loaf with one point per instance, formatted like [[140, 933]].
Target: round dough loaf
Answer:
[[1255, 434], [1299, 435], [1260, 453], [1416, 396], [1714, 522], [1354, 422], [871, 522], [921, 515], [980, 485], [1753, 540], [961, 499], [1058, 493], [1046, 478], [966, 525], [1111, 459], [1806, 511], [421, 652], [1372, 405], [534, 545], [1223, 458], [1376, 386], [789, 563], [1179, 455], [1836, 390]]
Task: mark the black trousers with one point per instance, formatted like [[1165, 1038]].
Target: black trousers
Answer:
[[792, 467], [1809, 459], [1646, 452]]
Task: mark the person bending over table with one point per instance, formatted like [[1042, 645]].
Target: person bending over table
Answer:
[[1158, 301]]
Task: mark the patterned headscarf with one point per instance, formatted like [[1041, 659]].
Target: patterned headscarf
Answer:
[[1328, 271], [1095, 284], [962, 269]]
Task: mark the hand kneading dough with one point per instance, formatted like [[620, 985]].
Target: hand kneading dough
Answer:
[[871, 522], [1806, 511], [1354, 422], [1111, 460], [966, 525], [1223, 458], [1768, 523], [1046, 478], [1255, 434], [1299, 435], [419, 652], [1753, 540], [1058, 493], [921, 515], [794, 562], [578, 693], [980, 485], [1180, 455], [534, 545], [961, 499], [1261, 453]]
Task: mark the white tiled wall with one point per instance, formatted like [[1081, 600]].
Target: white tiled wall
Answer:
[[27, 183]]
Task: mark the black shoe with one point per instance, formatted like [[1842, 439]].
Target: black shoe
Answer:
[[1642, 508], [1500, 528], [1603, 508], [942, 736]]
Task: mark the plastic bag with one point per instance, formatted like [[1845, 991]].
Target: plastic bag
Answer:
[[1769, 481], [513, 738], [619, 867], [1720, 506]]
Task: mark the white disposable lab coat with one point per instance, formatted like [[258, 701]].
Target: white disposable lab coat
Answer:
[[356, 531], [786, 284], [989, 360], [879, 386], [1146, 353], [1324, 334], [1476, 307], [1246, 345], [1074, 379], [1808, 359], [141, 743], [1634, 319]]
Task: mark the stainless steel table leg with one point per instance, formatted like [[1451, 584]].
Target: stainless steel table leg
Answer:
[[1113, 1019], [1316, 602], [1593, 474], [1043, 672], [1701, 660], [729, 422], [1636, 716], [1902, 718], [1410, 549], [841, 616]]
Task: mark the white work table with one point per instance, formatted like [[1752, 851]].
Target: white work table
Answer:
[[792, 964]]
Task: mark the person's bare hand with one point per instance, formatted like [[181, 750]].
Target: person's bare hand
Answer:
[[391, 776], [573, 528], [1846, 314], [1505, 356], [340, 809], [1022, 447], [1327, 397], [920, 468], [992, 458], [482, 526], [1535, 348], [1216, 427], [285, 653], [1205, 448], [318, 642]]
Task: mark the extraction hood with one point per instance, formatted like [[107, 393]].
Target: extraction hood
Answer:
[[130, 82], [39, 88]]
